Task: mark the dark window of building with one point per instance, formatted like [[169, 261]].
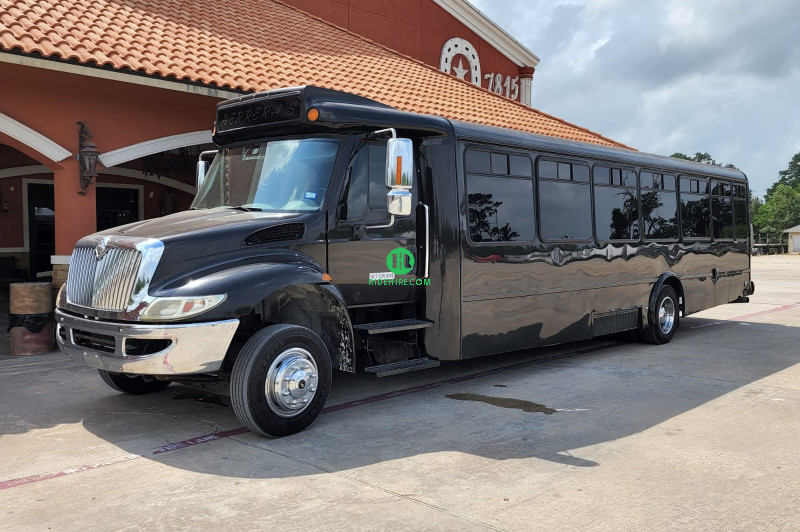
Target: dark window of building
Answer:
[[565, 206], [500, 209], [616, 211], [695, 211], [659, 206]]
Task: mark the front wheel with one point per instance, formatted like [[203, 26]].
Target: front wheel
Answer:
[[281, 380], [663, 328], [132, 385]]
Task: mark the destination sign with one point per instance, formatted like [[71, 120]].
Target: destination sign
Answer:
[[260, 112]]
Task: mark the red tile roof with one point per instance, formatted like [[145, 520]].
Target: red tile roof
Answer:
[[254, 45]]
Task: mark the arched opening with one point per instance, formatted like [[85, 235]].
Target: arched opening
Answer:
[[27, 216]]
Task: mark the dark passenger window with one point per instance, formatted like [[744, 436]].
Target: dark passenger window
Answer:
[[740, 212], [722, 210], [659, 206], [616, 210], [695, 215], [500, 208], [565, 207], [366, 186]]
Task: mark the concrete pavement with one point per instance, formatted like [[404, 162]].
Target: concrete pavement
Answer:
[[698, 434]]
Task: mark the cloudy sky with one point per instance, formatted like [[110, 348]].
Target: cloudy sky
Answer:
[[717, 76]]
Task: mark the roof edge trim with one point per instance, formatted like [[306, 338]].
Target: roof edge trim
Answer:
[[489, 31], [58, 65]]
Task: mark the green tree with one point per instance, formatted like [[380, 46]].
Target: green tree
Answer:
[[755, 205], [790, 176], [779, 212], [703, 157]]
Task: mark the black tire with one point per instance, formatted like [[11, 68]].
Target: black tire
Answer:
[[132, 385], [293, 355], [662, 329]]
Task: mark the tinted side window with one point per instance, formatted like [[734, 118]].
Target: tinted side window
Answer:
[[695, 212], [741, 226], [721, 210], [478, 162], [565, 207], [365, 193], [616, 211], [500, 209], [520, 166], [740, 218], [659, 206], [377, 177]]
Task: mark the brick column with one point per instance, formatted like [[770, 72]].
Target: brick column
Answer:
[[525, 84], [76, 214]]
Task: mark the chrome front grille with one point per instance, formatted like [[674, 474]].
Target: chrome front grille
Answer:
[[106, 283]]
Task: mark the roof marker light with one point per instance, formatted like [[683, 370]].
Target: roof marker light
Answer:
[[313, 114]]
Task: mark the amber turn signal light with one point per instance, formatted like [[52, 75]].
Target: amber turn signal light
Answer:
[[399, 175]]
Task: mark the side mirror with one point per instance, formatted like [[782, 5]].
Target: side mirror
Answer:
[[202, 166], [399, 176], [400, 163]]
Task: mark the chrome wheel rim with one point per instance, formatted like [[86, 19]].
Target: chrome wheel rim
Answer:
[[292, 382], [666, 315]]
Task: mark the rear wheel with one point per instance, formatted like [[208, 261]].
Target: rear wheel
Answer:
[[281, 380], [132, 385], [662, 329]]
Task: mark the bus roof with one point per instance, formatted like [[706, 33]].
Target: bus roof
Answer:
[[509, 137]]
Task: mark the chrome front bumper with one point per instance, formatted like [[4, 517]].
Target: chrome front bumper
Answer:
[[182, 348]]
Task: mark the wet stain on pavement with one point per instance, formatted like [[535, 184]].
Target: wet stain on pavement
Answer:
[[503, 402], [202, 398]]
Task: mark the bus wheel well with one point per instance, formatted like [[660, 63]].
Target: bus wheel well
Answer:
[[314, 308], [676, 285]]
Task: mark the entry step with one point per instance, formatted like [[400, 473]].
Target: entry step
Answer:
[[404, 366], [380, 327]]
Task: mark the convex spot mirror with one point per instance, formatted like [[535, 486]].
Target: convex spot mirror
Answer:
[[399, 176]]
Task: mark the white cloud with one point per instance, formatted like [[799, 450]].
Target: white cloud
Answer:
[[720, 76]]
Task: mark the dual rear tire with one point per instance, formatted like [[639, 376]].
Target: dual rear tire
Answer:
[[667, 316]]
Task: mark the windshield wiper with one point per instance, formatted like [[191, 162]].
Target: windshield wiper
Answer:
[[244, 208]]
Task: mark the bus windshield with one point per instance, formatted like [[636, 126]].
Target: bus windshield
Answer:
[[277, 176]]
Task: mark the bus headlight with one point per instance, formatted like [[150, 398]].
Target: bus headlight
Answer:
[[175, 308]]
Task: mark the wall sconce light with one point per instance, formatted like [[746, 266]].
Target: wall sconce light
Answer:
[[87, 157]]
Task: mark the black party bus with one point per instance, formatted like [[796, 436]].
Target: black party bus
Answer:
[[332, 232]]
